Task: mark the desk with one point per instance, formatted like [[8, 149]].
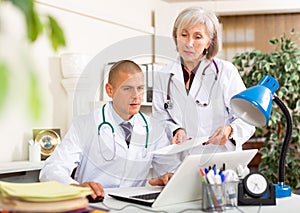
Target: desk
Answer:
[[292, 204], [20, 171]]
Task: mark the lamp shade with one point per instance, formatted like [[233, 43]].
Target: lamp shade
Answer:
[[254, 105]]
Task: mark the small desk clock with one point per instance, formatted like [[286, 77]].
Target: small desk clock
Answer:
[[255, 189]]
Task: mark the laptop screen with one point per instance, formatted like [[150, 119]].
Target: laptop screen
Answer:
[[186, 185]]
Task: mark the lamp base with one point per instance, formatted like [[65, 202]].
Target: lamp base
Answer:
[[282, 190], [268, 198]]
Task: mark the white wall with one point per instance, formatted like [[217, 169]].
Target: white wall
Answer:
[[90, 26]]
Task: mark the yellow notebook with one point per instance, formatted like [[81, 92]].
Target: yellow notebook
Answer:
[[42, 191], [16, 205]]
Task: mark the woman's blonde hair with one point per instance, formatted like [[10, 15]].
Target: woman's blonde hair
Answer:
[[192, 16]]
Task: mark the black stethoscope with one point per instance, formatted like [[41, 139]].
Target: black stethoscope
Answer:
[[169, 105], [104, 122]]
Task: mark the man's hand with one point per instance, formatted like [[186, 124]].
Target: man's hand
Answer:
[[220, 136], [96, 187], [161, 181]]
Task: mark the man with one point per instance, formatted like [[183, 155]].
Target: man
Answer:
[[106, 154]]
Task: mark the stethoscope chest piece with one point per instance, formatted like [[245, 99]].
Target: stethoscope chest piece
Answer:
[[145, 152], [168, 105]]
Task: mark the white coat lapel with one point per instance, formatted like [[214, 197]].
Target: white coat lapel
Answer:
[[138, 137], [119, 138], [177, 86]]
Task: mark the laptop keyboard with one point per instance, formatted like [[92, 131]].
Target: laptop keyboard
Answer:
[[149, 196]]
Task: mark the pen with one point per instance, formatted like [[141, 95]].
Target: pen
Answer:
[[223, 168], [215, 169], [185, 140], [222, 176], [210, 201], [210, 177], [188, 139], [206, 170], [215, 200], [203, 175], [218, 179]]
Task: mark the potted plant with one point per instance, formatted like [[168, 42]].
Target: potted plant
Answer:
[[284, 65]]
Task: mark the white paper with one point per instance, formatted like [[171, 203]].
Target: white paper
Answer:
[[176, 148]]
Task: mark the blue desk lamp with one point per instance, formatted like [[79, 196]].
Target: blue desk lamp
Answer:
[[254, 105]]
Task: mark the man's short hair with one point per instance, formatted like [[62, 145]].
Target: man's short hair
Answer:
[[126, 66]]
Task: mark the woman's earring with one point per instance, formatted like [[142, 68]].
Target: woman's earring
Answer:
[[204, 51]]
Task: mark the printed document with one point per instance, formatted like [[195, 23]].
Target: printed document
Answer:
[[176, 148]]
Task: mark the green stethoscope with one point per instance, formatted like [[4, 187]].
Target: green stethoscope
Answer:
[[104, 122]]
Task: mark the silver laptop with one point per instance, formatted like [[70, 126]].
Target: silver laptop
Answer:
[[185, 185]]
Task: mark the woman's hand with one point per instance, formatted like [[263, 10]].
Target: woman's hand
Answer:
[[179, 136], [161, 181], [220, 136]]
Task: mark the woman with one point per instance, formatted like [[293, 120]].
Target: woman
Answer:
[[192, 95]]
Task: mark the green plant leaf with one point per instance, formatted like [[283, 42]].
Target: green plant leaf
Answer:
[[34, 26], [4, 85], [33, 23], [55, 33], [274, 41], [298, 104], [292, 31], [34, 97]]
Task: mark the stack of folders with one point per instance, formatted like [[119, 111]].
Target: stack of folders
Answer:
[[149, 71], [43, 197]]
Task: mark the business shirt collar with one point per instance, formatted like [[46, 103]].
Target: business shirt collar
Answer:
[[117, 118]]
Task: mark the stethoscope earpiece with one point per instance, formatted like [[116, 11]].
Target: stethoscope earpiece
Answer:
[[200, 104]]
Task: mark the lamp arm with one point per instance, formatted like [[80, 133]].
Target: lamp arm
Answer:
[[286, 140]]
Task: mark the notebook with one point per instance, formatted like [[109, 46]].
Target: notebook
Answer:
[[185, 185]]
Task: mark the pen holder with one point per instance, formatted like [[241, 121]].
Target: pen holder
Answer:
[[231, 189], [35, 153], [213, 197]]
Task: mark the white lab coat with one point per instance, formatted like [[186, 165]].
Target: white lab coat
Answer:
[[197, 120], [81, 148]]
